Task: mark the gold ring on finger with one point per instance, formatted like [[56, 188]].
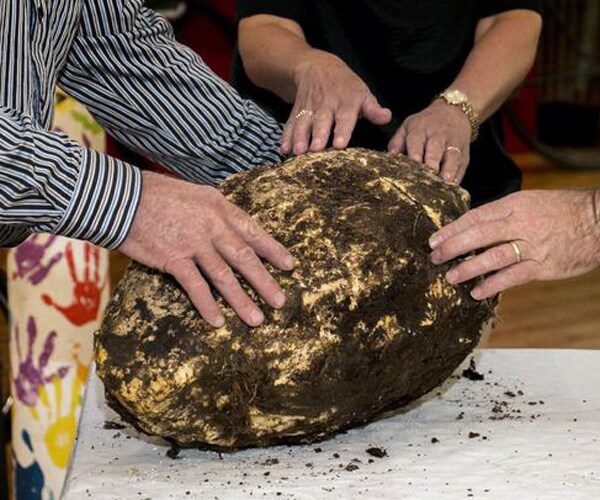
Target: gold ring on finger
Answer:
[[455, 149], [517, 251], [304, 112]]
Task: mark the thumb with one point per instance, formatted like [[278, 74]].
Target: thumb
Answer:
[[372, 111]]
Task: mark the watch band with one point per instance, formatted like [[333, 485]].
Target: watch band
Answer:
[[459, 99]]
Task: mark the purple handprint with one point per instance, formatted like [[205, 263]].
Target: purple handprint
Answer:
[[30, 378], [29, 256]]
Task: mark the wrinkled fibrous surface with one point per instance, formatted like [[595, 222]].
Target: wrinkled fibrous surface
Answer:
[[369, 324]]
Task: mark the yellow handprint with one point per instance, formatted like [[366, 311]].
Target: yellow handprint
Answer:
[[60, 434]]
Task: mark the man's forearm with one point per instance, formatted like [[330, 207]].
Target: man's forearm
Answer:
[[50, 184], [504, 52], [160, 99]]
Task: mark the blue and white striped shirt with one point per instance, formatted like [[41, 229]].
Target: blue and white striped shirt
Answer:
[[156, 96]]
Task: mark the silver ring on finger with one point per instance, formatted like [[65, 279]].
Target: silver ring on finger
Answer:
[[517, 251], [455, 149], [304, 112]]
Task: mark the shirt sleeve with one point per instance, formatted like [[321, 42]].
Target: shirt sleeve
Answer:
[[290, 9], [492, 7], [160, 99], [48, 183]]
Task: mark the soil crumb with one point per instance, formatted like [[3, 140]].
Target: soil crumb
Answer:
[[471, 373]]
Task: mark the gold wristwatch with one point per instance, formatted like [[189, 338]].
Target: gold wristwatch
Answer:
[[458, 98]]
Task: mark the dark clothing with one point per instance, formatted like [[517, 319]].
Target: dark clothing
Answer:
[[406, 52]]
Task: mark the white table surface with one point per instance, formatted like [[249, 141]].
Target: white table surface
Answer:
[[524, 450]]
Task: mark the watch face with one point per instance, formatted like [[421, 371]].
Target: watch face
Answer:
[[456, 96]]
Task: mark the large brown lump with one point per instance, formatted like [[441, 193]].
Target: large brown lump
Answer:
[[369, 325]]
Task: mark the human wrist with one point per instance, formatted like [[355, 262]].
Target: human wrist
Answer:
[[104, 201], [310, 60], [455, 98], [455, 110]]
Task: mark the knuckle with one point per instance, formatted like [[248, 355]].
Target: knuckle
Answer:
[[415, 136], [445, 252], [460, 245], [473, 217], [223, 276], [322, 127], [432, 156], [436, 138], [244, 255], [322, 116], [497, 257], [485, 232], [469, 270], [330, 104], [345, 115], [246, 304], [250, 229], [242, 304], [300, 134], [175, 267]]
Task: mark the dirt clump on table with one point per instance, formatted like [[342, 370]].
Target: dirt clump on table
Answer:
[[369, 324]]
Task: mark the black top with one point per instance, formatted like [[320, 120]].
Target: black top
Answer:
[[406, 52]]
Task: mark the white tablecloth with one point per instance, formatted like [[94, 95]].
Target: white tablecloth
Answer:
[[529, 430]]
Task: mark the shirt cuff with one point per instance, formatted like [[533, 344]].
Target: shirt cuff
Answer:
[[104, 201]]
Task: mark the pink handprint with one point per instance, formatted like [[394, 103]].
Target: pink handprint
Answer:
[[31, 378], [29, 257], [86, 292]]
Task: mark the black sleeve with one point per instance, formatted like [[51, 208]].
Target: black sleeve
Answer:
[[493, 7], [290, 9]]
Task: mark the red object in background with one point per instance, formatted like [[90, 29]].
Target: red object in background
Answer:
[[87, 290], [201, 34], [524, 106]]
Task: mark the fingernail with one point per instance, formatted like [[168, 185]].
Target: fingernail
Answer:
[[219, 321], [477, 293], [435, 257], [289, 262], [279, 300], [257, 317], [316, 144], [434, 241], [299, 149], [452, 276]]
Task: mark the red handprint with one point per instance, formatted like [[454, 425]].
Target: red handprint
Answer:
[[87, 292]]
